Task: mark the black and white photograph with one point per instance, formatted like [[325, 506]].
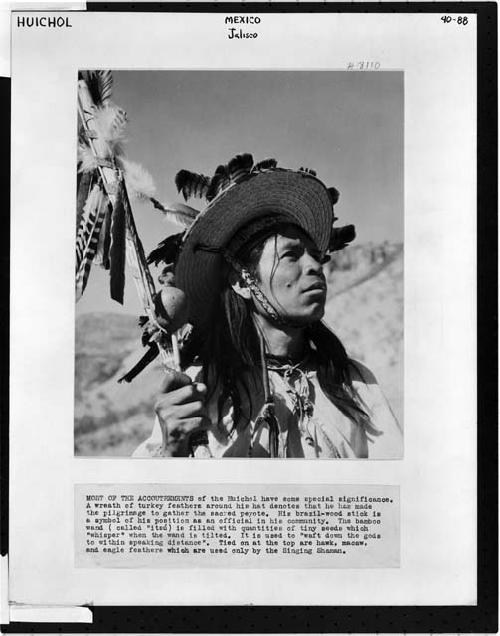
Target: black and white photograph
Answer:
[[239, 264], [250, 248]]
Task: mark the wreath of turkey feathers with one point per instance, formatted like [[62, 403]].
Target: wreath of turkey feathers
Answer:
[[195, 185]]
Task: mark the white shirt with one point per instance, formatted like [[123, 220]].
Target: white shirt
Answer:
[[310, 425]]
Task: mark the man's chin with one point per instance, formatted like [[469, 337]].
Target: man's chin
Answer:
[[313, 314]]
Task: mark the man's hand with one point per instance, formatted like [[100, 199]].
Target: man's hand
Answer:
[[180, 409]]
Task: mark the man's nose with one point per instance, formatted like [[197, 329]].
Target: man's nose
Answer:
[[312, 264]]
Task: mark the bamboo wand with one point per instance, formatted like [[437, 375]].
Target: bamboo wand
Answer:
[[112, 179]]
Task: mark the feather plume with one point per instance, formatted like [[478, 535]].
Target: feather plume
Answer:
[[308, 170], [167, 251], [91, 79], [334, 195], [87, 161], [85, 182], [100, 85], [90, 220], [139, 182], [178, 213], [191, 184], [105, 82], [239, 166], [88, 236], [265, 164], [340, 237], [219, 181], [109, 123], [102, 253], [82, 135]]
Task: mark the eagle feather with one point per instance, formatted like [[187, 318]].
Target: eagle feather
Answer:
[[239, 166], [167, 251], [265, 164], [191, 184], [100, 85]]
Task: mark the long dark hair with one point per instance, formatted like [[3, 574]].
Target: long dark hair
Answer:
[[230, 353]]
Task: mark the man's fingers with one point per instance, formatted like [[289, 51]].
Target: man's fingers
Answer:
[[190, 409], [170, 413], [190, 393], [180, 409], [174, 380]]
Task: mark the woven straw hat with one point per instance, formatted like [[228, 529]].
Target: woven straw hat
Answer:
[[241, 192]]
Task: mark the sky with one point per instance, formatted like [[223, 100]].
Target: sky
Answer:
[[348, 126]]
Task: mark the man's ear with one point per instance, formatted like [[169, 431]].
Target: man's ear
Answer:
[[241, 289], [239, 286]]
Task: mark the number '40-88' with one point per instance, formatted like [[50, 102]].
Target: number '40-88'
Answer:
[[460, 20]]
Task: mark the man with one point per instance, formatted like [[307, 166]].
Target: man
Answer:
[[264, 376]]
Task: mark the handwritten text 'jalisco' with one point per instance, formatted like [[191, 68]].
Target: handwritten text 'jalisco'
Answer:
[[237, 33]]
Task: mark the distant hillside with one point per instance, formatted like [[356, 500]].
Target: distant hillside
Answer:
[[101, 342], [364, 308], [107, 345]]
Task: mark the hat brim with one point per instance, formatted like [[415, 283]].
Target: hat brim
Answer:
[[299, 197]]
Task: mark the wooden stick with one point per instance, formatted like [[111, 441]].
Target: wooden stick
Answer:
[[112, 179]]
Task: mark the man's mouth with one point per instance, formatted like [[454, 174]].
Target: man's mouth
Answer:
[[317, 287]]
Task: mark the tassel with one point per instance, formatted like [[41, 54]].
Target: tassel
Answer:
[[117, 249], [267, 417]]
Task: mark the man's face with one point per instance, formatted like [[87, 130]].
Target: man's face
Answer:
[[290, 273]]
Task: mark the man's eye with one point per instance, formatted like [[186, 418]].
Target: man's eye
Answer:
[[318, 256], [293, 254]]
